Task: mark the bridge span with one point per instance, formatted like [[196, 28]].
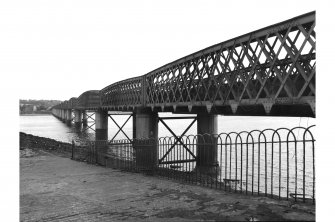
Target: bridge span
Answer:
[[270, 71]]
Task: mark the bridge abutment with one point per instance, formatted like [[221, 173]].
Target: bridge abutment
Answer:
[[207, 153]]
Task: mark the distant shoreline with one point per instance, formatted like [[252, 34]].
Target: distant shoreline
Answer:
[[35, 114]]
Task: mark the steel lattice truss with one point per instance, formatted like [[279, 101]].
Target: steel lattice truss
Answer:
[[89, 100], [125, 93], [271, 66]]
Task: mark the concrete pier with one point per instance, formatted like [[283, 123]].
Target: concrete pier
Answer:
[[146, 131], [63, 115], [207, 144], [101, 134], [68, 116], [77, 118], [84, 117], [101, 125], [146, 125]]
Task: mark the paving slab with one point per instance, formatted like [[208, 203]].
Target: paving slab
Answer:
[[56, 188]]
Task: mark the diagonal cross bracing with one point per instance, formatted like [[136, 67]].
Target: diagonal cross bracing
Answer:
[[120, 128], [178, 138], [87, 116]]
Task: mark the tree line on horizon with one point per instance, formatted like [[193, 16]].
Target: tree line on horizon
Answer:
[[32, 106]]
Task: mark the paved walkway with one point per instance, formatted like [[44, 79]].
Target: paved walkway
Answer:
[[54, 188]]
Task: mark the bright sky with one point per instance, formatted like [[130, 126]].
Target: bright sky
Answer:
[[60, 49]]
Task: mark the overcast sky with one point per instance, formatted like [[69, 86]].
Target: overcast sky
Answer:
[[60, 49]]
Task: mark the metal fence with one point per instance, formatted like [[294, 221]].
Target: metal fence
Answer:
[[275, 163]]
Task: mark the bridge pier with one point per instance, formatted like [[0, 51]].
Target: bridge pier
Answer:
[[146, 125], [101, 134], [101, 125], [207, 152], [146, 131], [84, 116], [68, 116], [77, 118], [63, 115]]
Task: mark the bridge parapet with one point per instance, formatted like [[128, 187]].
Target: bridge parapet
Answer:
[[89, 100], [73, 103], [125, 94], [65, 104]]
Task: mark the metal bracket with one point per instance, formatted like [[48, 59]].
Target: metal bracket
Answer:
[[189, 107], [209, 107], [268, 106], [234, 107]]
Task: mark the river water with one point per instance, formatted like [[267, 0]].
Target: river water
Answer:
[[50, 127]]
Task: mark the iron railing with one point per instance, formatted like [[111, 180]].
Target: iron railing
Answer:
[[275, 163]]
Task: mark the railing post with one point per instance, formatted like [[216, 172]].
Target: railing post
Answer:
[[72, 153], [96, 153]]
